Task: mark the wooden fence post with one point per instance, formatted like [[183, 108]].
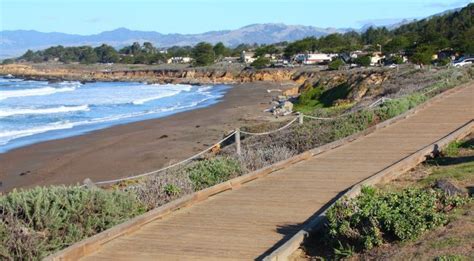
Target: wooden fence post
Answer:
[[237, 141], [89, 184], [301, 118]]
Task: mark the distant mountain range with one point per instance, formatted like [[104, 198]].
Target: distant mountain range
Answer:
[[15, 43]]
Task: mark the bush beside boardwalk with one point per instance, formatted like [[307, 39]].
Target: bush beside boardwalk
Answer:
[[408, 218], [24, 234], [40, 221]]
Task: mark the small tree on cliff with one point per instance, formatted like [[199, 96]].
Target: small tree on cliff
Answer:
[[423, 55], [261, 62], [336, 64], [220, 50], [203, 54], [363, 60]]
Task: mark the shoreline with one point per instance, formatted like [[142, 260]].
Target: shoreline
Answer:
[[87, 112], [136, 147]]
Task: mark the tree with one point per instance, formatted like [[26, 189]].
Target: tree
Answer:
[[466, 43], [336, 64], [266, 49], [376, 36], [363, 60], [29, 55], [179, 51], [260, 62], [8, 61], [396, 59], [220, 50], [397, 44], [239, 49], [87, 55], [135, 48], [423, 54], [203, 54], [148, 48], [309, 44], [332, 43], [106, 54]]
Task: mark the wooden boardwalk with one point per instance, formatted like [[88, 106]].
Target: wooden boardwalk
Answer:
[[250, 222]]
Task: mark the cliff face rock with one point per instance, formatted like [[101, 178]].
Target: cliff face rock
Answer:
[[192, 76], [265, 75], [358, 84], [25, 70]]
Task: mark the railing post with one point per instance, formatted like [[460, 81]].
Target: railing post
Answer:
[[89, 183], [237, 141], [301, 118]]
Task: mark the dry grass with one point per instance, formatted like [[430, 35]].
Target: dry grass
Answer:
[[159, 189]]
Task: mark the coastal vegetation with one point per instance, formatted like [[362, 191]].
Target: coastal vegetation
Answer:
[[375, 217], [39, 221], [207, 173]]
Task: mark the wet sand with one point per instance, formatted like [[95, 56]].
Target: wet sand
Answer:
[[134, 148]]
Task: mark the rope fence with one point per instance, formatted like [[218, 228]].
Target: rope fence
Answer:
[[270, 132], [237, 138], [167, 167]]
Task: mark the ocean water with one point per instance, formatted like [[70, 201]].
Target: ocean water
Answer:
[[35, 111]]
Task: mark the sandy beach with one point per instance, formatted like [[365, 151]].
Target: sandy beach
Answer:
[[134, 148]]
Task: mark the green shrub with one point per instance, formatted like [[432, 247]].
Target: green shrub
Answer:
[[363, 60], [396, 59], [392, 108], [351, 124], [317, 97], [260, 62], [443, 62], [450, 258], [336, 64], [452, 150], [42, 220], [375, 217], [210, 172], [172, 190]]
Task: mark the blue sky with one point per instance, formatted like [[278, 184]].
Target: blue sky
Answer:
[[186, 16]]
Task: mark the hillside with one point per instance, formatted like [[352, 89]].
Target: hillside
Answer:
[[15, 43], [455, 27]]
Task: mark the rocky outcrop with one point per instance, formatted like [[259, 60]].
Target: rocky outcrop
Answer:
[[359, 84]]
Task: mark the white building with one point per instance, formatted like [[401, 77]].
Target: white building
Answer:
[[376, 58], [314, 58], [179, 59], [247, 57]]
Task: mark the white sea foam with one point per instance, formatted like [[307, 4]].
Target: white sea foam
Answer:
[[107, 105], [33, 92], [148, 99], [168, 91], [7, 136], [60, 109]]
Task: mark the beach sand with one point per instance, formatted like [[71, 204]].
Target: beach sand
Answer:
[[134, 148]]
